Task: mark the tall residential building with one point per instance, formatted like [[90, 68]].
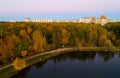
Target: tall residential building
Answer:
[[104, 20], [27, 19], [93, 19]]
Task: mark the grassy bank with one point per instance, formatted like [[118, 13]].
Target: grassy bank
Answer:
[[46, 56]]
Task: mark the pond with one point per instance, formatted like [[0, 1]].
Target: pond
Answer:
[[76, 65]]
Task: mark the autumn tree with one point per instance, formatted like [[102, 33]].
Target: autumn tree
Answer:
[[117, 42], [38, 41], [29, 30], [102, 36], [13, 41], [24, 53], [7, 46], [65, 36], [93, 37], [23, 45], [19, 64], [113, 37], [109, 46], [24, 34], [56, 37], [3, 50]]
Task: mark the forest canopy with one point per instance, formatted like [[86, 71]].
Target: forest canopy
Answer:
[[24, 39]]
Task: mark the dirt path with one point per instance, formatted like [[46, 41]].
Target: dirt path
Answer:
[[49, 52]]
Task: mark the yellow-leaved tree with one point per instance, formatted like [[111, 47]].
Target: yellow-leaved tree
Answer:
[[19, 64], [23, 33], [65, 36], [39, 41], [102, 36]]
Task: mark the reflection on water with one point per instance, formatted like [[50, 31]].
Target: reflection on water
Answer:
[[75, 64]]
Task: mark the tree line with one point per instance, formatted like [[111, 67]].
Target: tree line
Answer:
[[24, 39]]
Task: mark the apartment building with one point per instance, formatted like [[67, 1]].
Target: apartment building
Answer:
[[102, 20], [27, 19]]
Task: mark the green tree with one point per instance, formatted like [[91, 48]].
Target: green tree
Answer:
[[109, 46], [117, 42]]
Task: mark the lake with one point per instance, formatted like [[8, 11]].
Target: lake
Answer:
[[76, 65]]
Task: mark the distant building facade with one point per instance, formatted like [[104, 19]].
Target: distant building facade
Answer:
[[27, 19], [12, 21], [44, 20], [102, 20]]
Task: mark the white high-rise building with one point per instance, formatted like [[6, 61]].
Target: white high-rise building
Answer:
[[27, 20]]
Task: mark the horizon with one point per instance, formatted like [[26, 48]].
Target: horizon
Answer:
[[58, 10]]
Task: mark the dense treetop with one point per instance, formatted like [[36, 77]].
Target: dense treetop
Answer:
[[24, 39]]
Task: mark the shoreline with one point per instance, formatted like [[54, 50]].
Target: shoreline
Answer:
[[9, 71]]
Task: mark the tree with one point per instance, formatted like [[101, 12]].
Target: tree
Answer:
[[24, 34], [24, 53], [19, 64], [117, 42], [113, 37], [7, 46], [29, 30], [80, 46], [23, 45], [109, 46], [38, 41], [65, 36]]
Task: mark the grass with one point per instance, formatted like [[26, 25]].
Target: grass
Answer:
[[117, 51], [8, 72], [92, 49], [44, 57]]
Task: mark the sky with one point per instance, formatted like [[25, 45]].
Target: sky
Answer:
[[58, 9]]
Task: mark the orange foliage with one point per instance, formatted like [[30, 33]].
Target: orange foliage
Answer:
[[102, 39], [39, 41], [7, 45], [103, 36], [113, 37], [19, 64], [3, 50], [65, 36], [24, 34], [29, 30], [77, 41], [24, 53]]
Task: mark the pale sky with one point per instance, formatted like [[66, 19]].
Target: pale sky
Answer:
[[58, 9]]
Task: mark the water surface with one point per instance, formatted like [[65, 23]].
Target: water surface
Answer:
[[76, 65]]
